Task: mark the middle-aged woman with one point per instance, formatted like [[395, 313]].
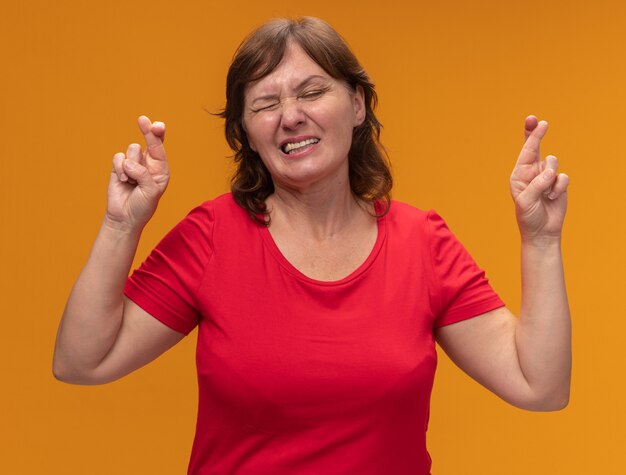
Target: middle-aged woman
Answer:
[[318, 300]]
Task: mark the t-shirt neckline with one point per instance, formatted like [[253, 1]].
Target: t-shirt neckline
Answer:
[[268, 240]]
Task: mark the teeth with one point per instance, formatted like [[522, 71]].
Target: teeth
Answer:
[[288, 148]]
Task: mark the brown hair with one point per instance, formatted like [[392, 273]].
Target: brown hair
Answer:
[[257, 56]]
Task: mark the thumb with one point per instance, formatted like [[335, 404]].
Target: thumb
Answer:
[[139, 173], [540, 185]]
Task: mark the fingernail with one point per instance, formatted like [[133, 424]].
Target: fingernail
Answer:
[[123, 177], [552, 195], [130, 164], [548, 173]]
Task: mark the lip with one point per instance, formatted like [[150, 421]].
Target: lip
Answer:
[[298, 138], [306, 150]]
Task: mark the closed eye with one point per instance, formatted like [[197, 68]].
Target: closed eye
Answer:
[[270, 103], [267, 106], [311, 95]]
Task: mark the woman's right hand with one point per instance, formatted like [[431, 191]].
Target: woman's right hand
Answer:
[[138, 179]]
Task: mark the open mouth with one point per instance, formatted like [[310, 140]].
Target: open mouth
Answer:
[[293, 147]]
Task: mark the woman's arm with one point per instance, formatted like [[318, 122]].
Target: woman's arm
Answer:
[[102, 334], [526, 361]]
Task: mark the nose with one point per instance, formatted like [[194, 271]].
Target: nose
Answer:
[[292, 113]]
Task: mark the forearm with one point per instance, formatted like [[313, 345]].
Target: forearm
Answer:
[[543, 333], [94, 310]]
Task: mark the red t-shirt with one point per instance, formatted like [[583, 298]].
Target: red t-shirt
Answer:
[[299, 376]]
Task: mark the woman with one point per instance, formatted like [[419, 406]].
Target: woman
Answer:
[[318, 300]]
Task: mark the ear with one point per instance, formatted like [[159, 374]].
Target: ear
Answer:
[[358, 101]]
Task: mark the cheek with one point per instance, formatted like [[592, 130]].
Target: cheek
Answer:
[[260, 132], [343, 114], [253, 134]]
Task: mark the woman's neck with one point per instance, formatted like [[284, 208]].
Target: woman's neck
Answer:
[[321, 214]]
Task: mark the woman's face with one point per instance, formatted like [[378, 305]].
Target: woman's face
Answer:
[[300, 121]]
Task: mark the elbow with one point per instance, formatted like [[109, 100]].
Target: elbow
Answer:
[[69, 375], [59, 372], [64, 378], [556, 401], [553, 405], [76, 378], [62, 374], [560, 402]]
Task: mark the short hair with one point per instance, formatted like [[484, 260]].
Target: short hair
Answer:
[[257, 56]]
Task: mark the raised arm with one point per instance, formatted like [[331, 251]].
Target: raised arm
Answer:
[[526, 361], [103, 335]]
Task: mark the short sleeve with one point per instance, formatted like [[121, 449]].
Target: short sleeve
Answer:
[[462, 289], [166, 283]]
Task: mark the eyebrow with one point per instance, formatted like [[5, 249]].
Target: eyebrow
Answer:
[[299, 87]]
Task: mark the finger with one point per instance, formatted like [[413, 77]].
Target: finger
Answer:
[[118, 167], [154, 142], [138, 173], [133, 152], [552, 163], [530, 151], [158, 129], [529, 125], [560, 186], [537, 187]]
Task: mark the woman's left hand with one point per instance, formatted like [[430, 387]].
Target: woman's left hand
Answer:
[[527, 360], [539, 192]]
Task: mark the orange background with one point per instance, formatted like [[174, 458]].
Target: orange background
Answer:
[[455, 80]]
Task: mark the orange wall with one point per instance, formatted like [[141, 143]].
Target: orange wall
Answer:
[[455, 81]]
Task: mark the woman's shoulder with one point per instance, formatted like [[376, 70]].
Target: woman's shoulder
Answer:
[[407, 213], [219, 203], [220, 216], [220, 208], [212, 222], [406, 209], [408, 218]]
